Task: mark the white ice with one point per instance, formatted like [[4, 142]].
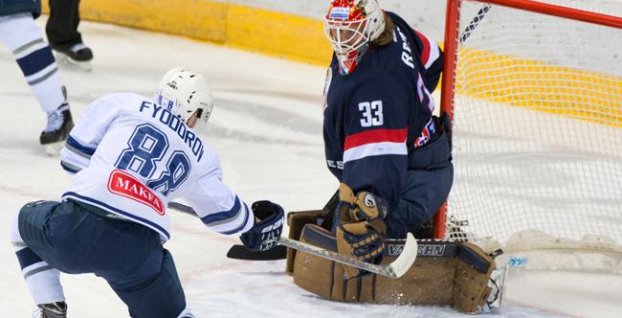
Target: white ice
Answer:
[[267, 129]]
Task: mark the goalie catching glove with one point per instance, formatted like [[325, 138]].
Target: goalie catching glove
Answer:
[[361, 230], [265, 234]]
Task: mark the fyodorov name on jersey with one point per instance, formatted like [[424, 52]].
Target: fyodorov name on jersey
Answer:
[[176, 124]]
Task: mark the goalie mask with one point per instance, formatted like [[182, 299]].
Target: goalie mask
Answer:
[[186, 94], [350, 26]]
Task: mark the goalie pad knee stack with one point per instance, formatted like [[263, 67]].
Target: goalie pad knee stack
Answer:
[[444, 274]]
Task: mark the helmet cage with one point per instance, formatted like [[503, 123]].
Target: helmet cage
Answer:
[[346, 36]]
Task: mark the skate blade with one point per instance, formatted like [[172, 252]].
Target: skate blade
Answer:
[[54, 149], [66, 60]]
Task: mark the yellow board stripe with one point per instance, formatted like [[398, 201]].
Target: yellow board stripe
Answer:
[[269, 32], [539, 86], [278, 34]]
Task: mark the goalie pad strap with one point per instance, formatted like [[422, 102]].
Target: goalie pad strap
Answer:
[[320, 237], [472, 256]]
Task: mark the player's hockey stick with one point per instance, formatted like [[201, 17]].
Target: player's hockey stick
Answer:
[[395, 269], [240, 252]]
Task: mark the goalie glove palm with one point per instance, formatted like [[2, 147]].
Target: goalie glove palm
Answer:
[[361, 230], [265, 234]]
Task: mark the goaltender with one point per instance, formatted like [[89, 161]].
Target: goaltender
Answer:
[[393, 160]]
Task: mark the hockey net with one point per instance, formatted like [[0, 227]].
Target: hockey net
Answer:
[[536, 96]]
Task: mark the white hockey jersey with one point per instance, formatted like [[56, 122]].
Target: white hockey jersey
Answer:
[[130, 157]]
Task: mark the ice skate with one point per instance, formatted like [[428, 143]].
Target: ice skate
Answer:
[[52, 310], [78, 55], [57, 130]]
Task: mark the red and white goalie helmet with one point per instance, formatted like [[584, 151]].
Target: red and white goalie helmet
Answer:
[[186, 93], [350, 26]]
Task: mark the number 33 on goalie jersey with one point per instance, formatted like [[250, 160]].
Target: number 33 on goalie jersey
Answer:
[[131, 156], [375, 116]]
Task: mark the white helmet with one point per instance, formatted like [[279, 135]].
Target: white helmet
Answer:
[[187, 94]]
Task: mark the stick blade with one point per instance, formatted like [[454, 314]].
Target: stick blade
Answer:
[[404, 262], [240, 252]]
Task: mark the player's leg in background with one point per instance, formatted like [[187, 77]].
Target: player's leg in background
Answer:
[[43, 280], [34, 57], [62, 32]]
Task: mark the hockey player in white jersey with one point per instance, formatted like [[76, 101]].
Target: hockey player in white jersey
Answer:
[[130, 156]]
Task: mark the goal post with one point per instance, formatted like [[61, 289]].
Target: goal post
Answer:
[[535, 93]]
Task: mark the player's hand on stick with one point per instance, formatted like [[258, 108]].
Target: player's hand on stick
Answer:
[[265, 234], [361, 229]]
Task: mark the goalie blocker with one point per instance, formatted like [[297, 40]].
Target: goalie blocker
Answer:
[[444, 274]]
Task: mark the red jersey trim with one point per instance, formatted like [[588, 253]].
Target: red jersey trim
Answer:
[[375, 136]]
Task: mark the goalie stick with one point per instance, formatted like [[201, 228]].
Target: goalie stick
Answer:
[[395, 269]]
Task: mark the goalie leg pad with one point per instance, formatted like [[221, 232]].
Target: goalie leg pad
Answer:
[[326, 278], [459, 280], [428, 282]]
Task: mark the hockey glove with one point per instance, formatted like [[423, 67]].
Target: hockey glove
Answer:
[[361, 229], [265, 234]]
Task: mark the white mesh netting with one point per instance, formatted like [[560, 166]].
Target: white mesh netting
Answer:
[[538, 125]]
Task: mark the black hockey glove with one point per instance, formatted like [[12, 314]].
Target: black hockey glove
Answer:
[[265, 234], [361, 229]]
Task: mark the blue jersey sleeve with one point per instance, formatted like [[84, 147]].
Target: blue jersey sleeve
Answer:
[[375, 131]]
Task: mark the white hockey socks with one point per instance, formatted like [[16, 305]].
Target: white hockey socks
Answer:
[[43, 281], [34, 57]]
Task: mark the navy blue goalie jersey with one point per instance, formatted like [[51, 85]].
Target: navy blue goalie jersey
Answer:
[[378, 114]]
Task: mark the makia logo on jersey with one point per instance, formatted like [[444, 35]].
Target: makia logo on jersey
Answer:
[[125, 185], [339, 13]]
